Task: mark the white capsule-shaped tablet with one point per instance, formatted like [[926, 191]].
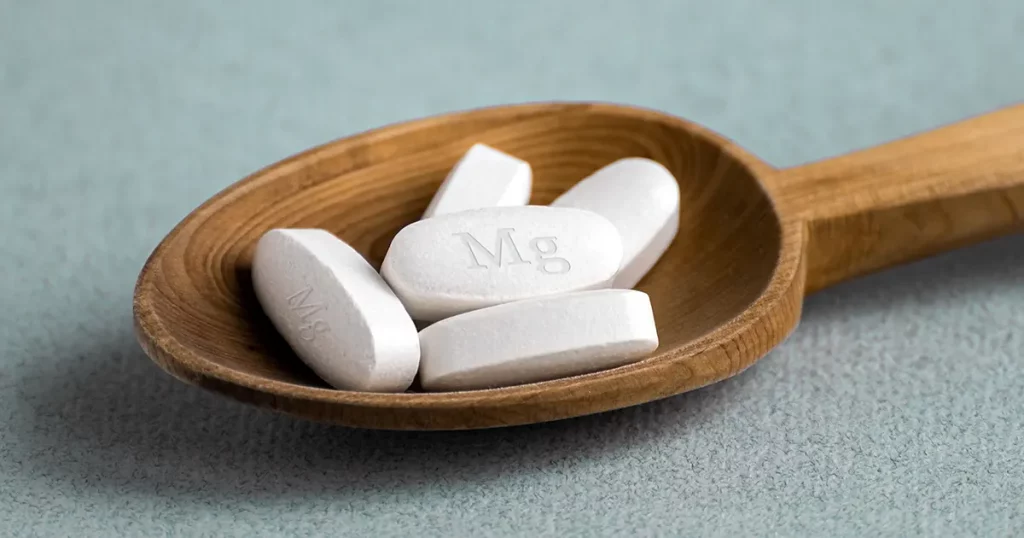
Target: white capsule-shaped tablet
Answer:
[[335, 311], [483, 177], [455, 263], [641, 197], [537, 340]]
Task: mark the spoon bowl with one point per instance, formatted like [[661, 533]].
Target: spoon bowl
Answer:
[[752, 241]]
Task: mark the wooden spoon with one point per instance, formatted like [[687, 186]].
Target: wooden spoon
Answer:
[[753, 240]]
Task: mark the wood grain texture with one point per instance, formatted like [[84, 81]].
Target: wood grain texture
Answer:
[[727, 291], [909, 199]]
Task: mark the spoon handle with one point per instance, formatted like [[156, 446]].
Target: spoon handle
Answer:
[[908, 199]]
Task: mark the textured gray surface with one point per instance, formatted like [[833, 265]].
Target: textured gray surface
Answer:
[[895, 409]]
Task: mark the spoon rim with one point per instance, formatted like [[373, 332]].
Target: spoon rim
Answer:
[[184, 363]]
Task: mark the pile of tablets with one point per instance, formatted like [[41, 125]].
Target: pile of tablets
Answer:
[[506, 293]]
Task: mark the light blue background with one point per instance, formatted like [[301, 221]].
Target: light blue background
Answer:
[[897, 408]]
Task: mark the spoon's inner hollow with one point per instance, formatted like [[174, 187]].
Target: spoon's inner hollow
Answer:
[[365, 191]]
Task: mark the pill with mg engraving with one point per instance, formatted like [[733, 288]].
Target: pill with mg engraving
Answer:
[[335, 311], [483, 177], [641, 197], [537, 340], [459, 262]]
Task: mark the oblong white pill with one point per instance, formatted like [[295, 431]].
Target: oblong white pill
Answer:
[[641, 197], [537, 340], [455, 263], [483, 177], [335, 311]]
